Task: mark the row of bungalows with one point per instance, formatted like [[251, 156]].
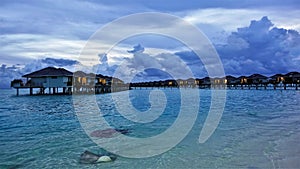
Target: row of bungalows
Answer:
[[62, 81], [254, 81], [152, 84]]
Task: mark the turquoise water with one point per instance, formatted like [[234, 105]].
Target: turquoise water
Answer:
[[258, 129]]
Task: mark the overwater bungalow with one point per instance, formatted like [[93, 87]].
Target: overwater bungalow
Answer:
[[257, 79], [171, 83], [16, 83], [292, 80], [159, 84], [292, 77], [181, 82], [86, 83], [230, 80], [62, 81], [80, 81], [197, 81], [101, 80], [191, 82], [243, 80], [275, 79], [50, 77], [218, 82], [118, 85], [206, 81]]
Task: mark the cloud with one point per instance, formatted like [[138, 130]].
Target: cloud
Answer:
[[32, 31], [77, 19], [147, 67], [103, 67], [228, 19], [261, 47], [137, 49], [24, 48], [8, 73], [193, 62], [171, 5], [151, 74], [59, 62]]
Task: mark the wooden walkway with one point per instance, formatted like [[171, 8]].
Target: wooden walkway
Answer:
[[265, 86]]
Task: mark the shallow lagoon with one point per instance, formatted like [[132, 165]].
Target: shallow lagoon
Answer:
[[258, 129]]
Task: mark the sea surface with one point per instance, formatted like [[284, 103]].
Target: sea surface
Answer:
[[259, 129]]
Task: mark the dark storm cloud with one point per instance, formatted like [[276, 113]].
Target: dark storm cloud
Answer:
[[59, 62], [261, 48]]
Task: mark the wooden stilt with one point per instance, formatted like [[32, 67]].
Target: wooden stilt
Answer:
[[30, 91]]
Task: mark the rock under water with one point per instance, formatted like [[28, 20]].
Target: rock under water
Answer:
[[88, 157], [108, 133]]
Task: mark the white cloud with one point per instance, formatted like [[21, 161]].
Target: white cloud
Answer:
[[164, 62], [32, 47], [230, 19]]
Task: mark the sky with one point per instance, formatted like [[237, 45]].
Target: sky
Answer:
[[257, 36]]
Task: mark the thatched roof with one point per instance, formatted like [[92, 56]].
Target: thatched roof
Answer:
[[49, 71], [293, 74], [257, 76]]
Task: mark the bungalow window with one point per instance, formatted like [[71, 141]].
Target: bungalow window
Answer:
[[84, 80], [243, 80], [54, 77], [102, 81], [282, 79]]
